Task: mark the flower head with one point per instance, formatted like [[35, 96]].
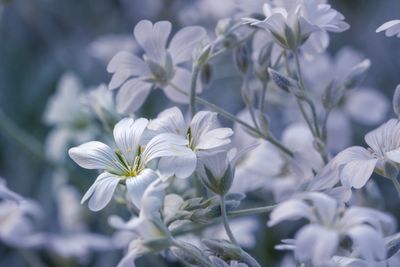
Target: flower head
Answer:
[[330, 225], [159, 67], [203, 134], [358, 163], [129, 163]]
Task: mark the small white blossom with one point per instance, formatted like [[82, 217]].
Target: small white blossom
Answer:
[[291, 23], [146, 228], [129, 163], [329, 224], [359, 163], [203, 135], [159, 66]]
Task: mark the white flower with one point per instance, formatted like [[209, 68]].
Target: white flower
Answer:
[[18, 217], [146, 228], [391, 28], [359, 163], [68, 117], [203, 135], [330, 224], [128, 164], [291, 23], [159, 66]]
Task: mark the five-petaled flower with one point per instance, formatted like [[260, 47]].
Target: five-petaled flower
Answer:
[[130, 163], [160, 66]]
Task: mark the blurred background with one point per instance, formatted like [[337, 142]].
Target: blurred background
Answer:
[[40, 40]]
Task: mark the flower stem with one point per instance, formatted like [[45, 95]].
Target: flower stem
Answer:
[[251, 211], [193, 83], [202, 260], [226, 222]]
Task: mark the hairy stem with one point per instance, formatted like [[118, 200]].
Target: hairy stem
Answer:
[[226, 222]]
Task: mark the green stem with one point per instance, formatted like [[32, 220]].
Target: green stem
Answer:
[[251, 211], [193, 83], [311, 105], [263, 94], [203, 261], [225, 221]]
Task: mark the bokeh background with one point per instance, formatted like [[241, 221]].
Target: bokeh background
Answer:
[[40, 40]]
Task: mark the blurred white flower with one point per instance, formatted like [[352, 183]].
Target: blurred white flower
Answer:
[[129, 163], [159, 66], [149, 232], [391, 28], [18, 219], [203, 135], [329, 225], [359, 163], [68, 117]]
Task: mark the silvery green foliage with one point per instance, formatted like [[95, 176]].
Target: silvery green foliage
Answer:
[[178, 179]]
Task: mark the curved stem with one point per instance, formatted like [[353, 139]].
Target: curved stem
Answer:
[[226, 222], [193, 83]]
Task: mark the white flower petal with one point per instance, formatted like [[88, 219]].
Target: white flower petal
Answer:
[[385, 137], [153, 38], [128, 62], [127, 135], [391, 28], [324, 205], [316, 243], [184, 42], [131, 95], [214, 138], [350, 154], [292, 209], [182, 166], [368, 242], [165, 145], [394, 155], [137, 185], [171, 121], [357, 172], [95, 155], [101, 192]]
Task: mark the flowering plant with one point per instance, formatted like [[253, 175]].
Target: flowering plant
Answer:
[[171, 186]]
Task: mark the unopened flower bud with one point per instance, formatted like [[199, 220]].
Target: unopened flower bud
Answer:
[[357, 74], [282, 81], [241, 58], [223, 26], [206, 74]]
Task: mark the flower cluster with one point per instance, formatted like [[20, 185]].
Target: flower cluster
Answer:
[[173, 184]]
